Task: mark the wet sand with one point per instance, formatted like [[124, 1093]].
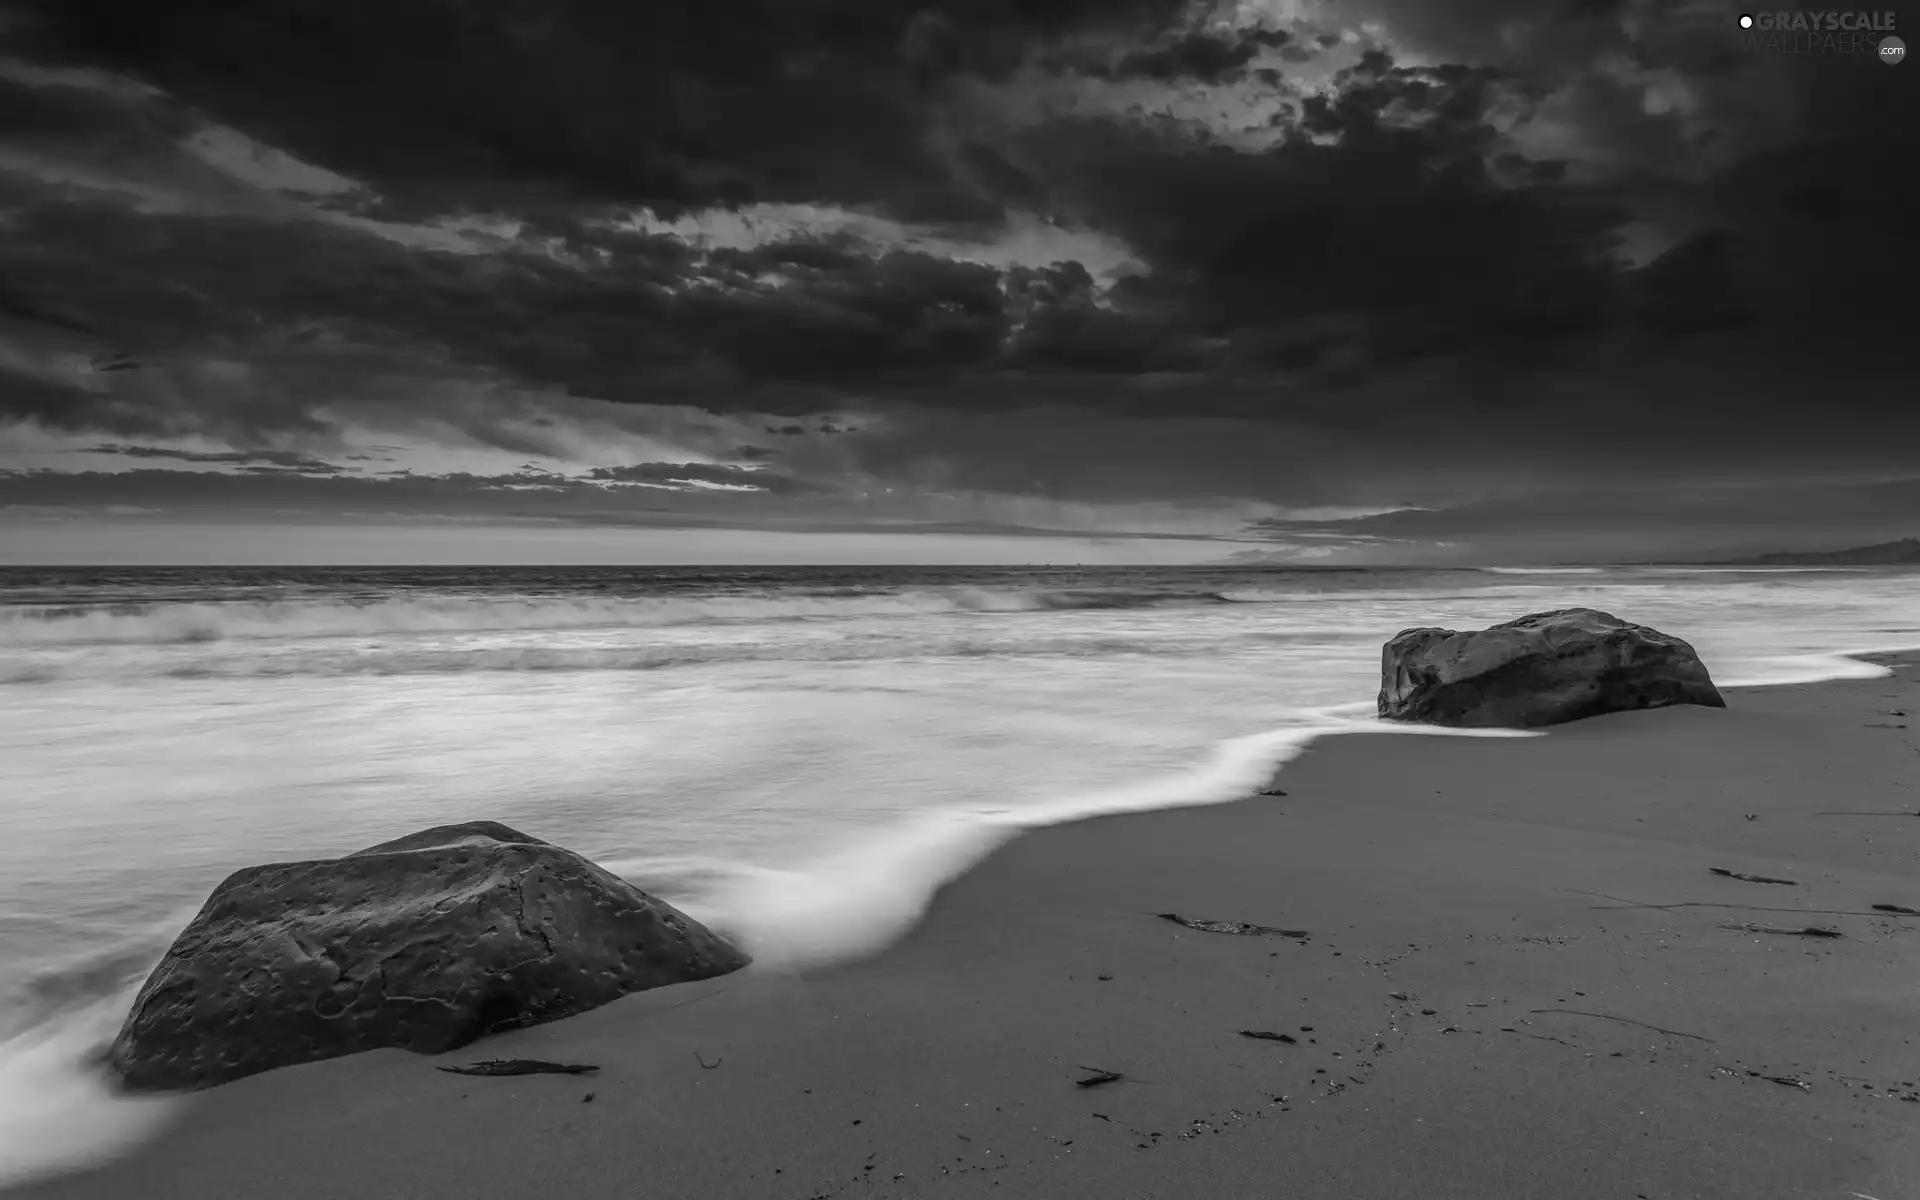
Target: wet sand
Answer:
[[1517, 982]]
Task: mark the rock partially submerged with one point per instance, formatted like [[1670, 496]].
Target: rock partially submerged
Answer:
[[1542, 669], [423, 943]]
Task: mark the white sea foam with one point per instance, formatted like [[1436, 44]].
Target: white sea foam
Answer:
[[858, 901], [1544, 570], [1773, 670], [59, 1110]]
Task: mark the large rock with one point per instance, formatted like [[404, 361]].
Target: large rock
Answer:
[[1542, 669], [423, 943]]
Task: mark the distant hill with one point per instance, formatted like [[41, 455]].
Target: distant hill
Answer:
[[1905, 552]]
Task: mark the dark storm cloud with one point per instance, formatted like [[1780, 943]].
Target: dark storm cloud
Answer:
[[663, 103], [1203, 57], [257, 460], [269, 487], [1400, 299], [1377, 233], [29, 312], [1392, 242]]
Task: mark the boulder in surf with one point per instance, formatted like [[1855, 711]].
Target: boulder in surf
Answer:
[[1544, 669], [425, 943]]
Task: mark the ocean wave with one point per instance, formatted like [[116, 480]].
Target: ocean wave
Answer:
[[1544, 570], [540, 659], [34, 626], [1777, 670]]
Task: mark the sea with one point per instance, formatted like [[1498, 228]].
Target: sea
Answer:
[[797, 756]]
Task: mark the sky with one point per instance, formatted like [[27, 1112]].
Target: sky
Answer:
[[1071, 281]]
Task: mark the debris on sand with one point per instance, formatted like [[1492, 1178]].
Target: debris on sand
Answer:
[[1272, 792], [1785, 1080], [521, 1066], [1750, 878], [1265, 1036], [1581, 1012], [1240, 928], [1098, 1077], [1898, 908], [1808, 931]]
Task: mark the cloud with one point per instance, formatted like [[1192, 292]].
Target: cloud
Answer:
[[773, 102], [1667, 522], [248, 460], [1200, 55], [685, 474], [1058, 254]]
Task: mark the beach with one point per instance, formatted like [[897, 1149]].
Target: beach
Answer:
[[1516, 980]]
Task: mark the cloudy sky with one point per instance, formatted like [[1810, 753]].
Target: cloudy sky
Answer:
[[982, 280]]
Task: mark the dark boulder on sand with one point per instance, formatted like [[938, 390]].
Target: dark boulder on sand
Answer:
[[423, 943], [1542, 669]]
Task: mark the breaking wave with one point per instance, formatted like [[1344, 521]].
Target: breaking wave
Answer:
[[354, 660], [858, 901], [35, 626], [1543, 570]]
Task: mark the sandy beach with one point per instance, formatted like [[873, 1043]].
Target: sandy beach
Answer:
[[1518, 980]]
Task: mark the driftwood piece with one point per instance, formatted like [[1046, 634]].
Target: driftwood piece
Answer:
[[521, 1066], [1240, 928], [1807, 931], [1898, 908], [1098, 1077], [1266, 1036], [1750, 878], [1625, 903]]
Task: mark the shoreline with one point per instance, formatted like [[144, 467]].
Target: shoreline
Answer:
[[965, 1035]]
